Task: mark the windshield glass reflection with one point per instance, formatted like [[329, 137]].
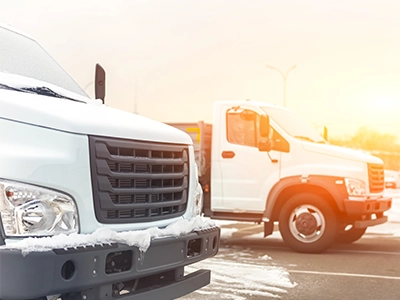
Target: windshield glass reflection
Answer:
[[293, 125]]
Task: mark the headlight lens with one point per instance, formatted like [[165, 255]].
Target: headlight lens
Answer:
[[355, 187], [198, 200], [28, 210]]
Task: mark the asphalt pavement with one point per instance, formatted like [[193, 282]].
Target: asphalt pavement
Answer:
[[250, 267]]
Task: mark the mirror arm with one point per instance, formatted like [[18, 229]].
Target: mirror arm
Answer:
[[273, 160]]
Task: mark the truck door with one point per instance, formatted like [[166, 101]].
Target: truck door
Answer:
[[244, 170]]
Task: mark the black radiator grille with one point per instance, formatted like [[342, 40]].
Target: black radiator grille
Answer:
[[138, 181], [376, 178]]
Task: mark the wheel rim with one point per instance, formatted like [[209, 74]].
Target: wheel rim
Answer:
[[307, 223]]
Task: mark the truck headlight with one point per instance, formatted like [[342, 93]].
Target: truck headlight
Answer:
[[355, 187], [28, 210], [198, 200]]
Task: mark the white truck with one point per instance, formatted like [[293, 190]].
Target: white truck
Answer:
[[95, 203], [262, 163]]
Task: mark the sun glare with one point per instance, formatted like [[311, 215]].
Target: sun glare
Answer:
[[384, 103]]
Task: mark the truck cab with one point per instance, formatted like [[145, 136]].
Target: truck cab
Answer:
[[265, 164], [95, 203]]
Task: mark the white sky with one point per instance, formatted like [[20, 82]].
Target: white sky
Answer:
[[171, 59]]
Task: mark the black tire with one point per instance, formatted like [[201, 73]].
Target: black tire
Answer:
[[350, 235], [308, 224]]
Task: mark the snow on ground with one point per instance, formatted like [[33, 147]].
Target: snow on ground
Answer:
[[238, 281]]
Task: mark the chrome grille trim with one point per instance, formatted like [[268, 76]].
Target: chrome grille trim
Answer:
[[376, 177]]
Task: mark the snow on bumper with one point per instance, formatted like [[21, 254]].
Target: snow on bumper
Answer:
[[138, 238], [142, 265]]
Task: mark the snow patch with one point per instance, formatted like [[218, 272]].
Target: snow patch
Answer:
[[104, 235], [236, 280]]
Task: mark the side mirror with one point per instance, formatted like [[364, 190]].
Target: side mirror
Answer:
[[264, 126], [325, 133], [264, 146], [100, 83]]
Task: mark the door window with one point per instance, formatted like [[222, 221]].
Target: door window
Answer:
[[241, 127]]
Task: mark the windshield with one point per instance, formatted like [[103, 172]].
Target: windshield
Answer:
[[23, 56], [293, 124]]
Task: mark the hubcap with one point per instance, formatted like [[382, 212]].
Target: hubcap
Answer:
[[307, 223]]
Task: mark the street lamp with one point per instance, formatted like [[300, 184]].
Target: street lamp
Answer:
[[284, 76]]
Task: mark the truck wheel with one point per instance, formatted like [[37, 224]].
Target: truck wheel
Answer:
[[351, 235], [308, 223]]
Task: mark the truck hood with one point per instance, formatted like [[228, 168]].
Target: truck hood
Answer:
[[341, 152], [85, 116]]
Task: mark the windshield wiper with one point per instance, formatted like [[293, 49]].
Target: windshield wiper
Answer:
[[306, 138], [7, 87], [45, 91]]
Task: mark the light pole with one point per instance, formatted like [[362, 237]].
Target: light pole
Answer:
[[88, 85], [284, 76]]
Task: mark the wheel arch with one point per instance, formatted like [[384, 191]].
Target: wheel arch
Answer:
[[331, 189]]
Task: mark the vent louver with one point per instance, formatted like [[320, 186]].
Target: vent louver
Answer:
[[138, 181]]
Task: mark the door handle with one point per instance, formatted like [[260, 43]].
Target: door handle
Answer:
[[228, 154]]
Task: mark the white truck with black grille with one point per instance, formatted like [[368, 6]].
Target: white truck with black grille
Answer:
[[262, 163], [95, 203]]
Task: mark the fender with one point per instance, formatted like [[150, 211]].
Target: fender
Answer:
[[335, 186]]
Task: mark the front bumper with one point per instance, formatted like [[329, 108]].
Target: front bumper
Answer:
[[368, 212], [114, 271]]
